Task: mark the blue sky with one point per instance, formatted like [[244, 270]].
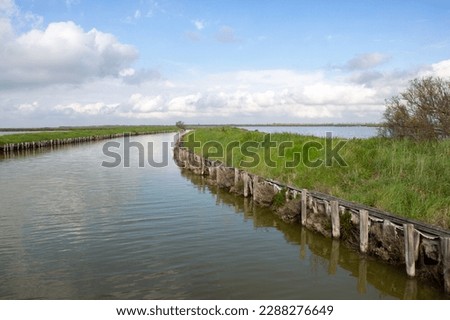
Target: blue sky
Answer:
[[75, 62]]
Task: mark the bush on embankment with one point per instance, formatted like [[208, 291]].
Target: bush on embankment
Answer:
[[407, 178]]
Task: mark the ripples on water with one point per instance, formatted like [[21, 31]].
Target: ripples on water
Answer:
[[71, 229]]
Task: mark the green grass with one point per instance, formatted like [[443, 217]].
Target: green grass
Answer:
[[406, 178], [77, 132]]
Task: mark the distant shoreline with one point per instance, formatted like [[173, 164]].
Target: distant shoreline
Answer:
[[34, 139], [311, 125], [63, 128]]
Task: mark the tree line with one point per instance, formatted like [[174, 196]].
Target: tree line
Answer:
[[421, 112]]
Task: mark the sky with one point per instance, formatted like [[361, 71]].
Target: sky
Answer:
[[79, 62]]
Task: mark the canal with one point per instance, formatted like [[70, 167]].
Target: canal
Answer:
[[71, 228]]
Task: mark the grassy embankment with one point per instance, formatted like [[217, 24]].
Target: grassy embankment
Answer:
[[403, 177], [79, 132]]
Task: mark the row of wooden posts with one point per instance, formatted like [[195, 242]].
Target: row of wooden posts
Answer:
[[23, 146], [412, 230], [411, 238]]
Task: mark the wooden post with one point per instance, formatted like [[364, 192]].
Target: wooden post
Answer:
[[335, 222], [410, 289], [236, 177], [445, 256], [363, 230], [202, 170], [303, 243], [219, 175], [334, 257], [314, 206], [303, 209], [255, 186], [246, 206], [245, 179], [362, 275], [410, 255], [327, 208]]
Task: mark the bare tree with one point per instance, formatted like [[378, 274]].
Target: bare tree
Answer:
[[181, 125], [421, 112]]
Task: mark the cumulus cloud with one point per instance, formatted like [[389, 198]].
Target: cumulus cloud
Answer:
[[324, 93], [264, 94], [28, 107], [279, 95], [39, 67], [366, 61], [146, 104], [440, 69], [62, 53], [98, 108]]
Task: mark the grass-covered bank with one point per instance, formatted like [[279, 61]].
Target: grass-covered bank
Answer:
[[400, 176], [80, 132]]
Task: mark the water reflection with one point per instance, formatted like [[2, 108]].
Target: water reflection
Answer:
[[328, 256], [71, 229]]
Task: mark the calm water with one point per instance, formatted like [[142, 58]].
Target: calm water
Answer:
[[3, 133], [340, 132], [72, 229]]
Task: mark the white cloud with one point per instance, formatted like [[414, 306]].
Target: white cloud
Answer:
[[278, 95], [137, 77], [6, 30], [98, 108], [264, 94], [329, 93], [28, 107], [244, 96], [62, 53], [440, 69], [7, 7], [184, 104], [11, 15], [366, 61], [127, 72], [146, 104], [199, 24], [62, 74]]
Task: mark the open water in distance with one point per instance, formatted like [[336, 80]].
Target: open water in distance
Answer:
[[72, 229], [4, 133], [321, 131]]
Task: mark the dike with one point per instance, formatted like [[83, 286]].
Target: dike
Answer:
[[11, 148], [423, 249]]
